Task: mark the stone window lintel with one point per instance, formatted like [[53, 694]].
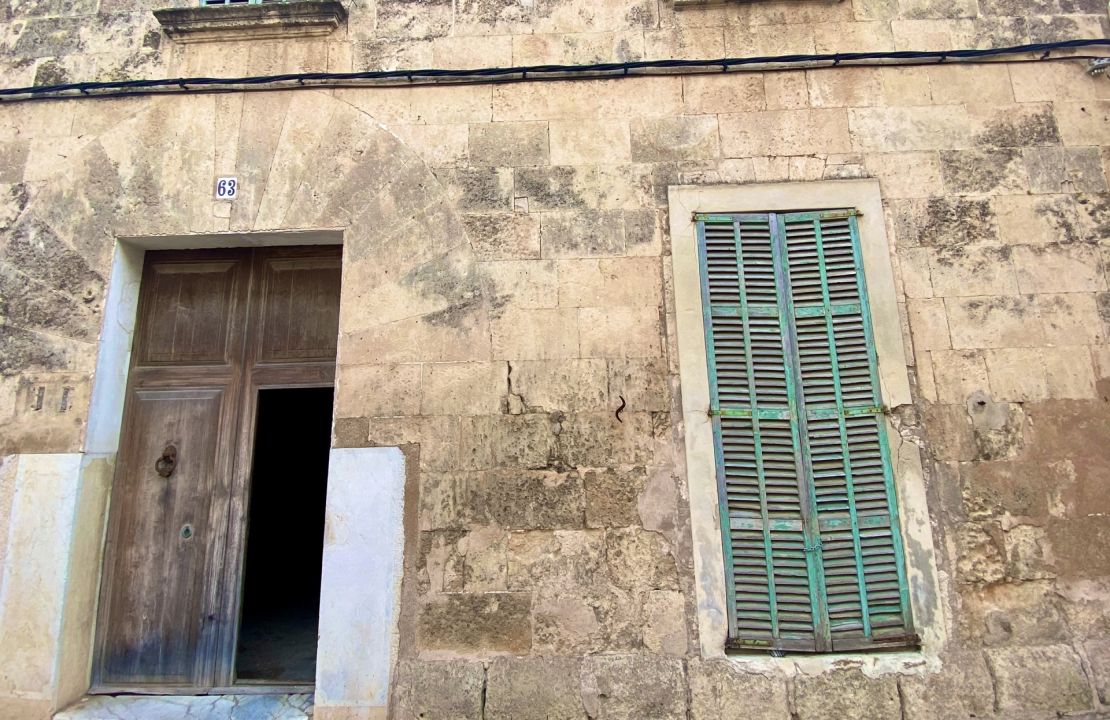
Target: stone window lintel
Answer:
[[301, 18]]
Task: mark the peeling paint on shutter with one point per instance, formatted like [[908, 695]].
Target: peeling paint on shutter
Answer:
[[809, 517]]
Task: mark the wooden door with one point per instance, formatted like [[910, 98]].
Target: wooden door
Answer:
[[168, 602]]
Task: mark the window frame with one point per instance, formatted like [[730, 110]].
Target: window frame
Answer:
[[883, 304]]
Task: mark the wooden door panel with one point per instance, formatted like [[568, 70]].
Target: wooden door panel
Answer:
[[188, 311], [299, 318], [164, 543]]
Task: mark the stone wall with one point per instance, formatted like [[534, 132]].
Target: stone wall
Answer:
[[507, 310], [54, 41]]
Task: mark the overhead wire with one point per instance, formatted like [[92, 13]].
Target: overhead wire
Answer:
[[1033, 52]]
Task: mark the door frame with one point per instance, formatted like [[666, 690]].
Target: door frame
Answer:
[[231, 556]]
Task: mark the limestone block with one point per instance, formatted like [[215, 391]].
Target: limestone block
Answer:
[[438, 690], [607, 282], [786, 90], [1044, 268], [482, 188], [445, 500], [685, 42], [1007, 124], [853, 36], [532, 499], [463, 52], [13, 158], [1085, 123], [589, 99], [1022, 489], [979, 556], [962, 689], [845, 87], [1016, 374], [948, 429], [378, 390], [414, 18], [720, 691], [929, 324], [1064, 169], [485, 563], [439, 564], [535, 334], [480, 623], [587, 142], [558, 188], [705, 94], [633, 687], [993, 322], [906, 175], [958, 374], [567, 560], [596, 233], [642, 382], [1070, 318], [954, 84], [846, 694], [1069, 372], [1048, 678], [665, 622], [514, 441], [1028, 553], [521, 283], [503, 236], [467, 388], [1098, 655], [894, 129], [973, 271], [562, 17], [1037, 219], [440, 146], [923, 375], [612, 496], [534, 689], [983, 172], [785, 132], [639, 559], [1055, 82], [509, 144], [692, 137], [620, 332], [601, 620], [437, 437], [948, 224], [1081, 546], [457, 333], [1012, 614], [906, 85], [999, 428], [560, 385], [601, 440]]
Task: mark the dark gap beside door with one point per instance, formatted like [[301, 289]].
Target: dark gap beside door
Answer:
[[285, 537]]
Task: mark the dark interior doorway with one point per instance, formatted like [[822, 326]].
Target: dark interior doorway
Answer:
[[285, 536]]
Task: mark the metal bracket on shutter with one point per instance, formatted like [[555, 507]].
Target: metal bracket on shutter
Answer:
[[812, 548]]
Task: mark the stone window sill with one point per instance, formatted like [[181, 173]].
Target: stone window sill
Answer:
[[304, 18]]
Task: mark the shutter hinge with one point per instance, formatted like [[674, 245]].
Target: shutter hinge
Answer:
[[812, 548]]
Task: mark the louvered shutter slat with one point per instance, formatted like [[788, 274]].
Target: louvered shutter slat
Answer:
[[809, 517]]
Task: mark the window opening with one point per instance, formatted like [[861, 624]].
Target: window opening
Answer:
[[809, 521]]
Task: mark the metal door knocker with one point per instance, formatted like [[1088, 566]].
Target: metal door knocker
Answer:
[[165, 465]]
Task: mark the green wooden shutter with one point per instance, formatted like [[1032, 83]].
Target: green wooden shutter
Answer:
[[808, 512]]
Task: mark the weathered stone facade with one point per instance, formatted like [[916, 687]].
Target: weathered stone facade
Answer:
[[508, 318]]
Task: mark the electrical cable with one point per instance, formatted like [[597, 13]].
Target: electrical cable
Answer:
[[119, 88]]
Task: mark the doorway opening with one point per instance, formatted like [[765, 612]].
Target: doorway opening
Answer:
[[278, 625]]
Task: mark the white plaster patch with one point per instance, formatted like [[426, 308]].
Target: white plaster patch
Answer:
[[33, 575], [198, 707], [361, 578]]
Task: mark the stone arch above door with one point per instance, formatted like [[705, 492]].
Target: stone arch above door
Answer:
[[306, 161]]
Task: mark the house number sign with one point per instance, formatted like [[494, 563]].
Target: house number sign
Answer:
[[227, 188]]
